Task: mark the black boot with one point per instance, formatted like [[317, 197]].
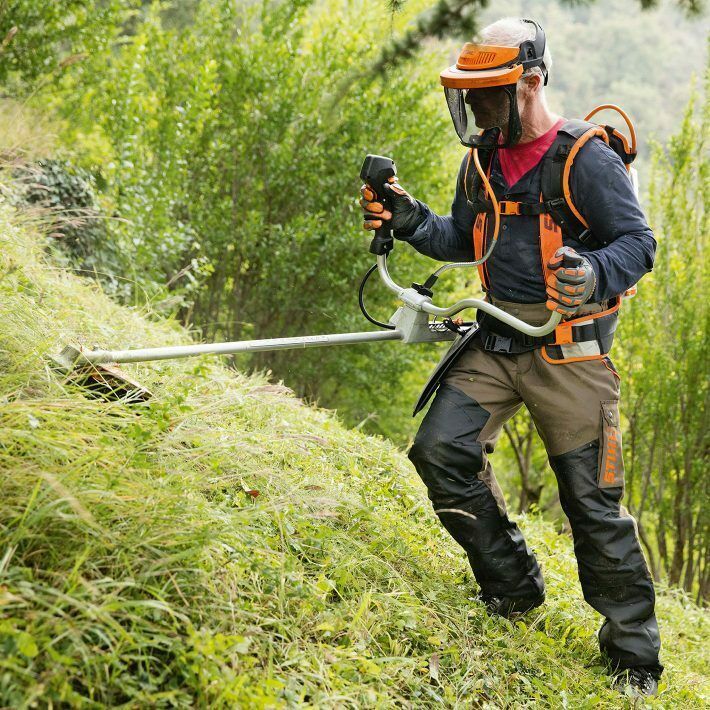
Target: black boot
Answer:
[[635, 682], [507, 607]]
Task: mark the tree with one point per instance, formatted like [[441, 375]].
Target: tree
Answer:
[[458, 18], [39, 38], [665, 345]]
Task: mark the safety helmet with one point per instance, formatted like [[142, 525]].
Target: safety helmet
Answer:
[[492, 71]]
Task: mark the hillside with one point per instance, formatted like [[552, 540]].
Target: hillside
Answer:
[[226, 546]]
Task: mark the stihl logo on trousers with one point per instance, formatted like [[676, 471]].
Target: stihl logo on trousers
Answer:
[[611, 459]]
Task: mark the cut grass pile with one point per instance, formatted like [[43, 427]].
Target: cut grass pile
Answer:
[[226, 546]]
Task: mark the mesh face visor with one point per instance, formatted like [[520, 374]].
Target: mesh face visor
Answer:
[[461, 115], [494, 107], [479, 67]]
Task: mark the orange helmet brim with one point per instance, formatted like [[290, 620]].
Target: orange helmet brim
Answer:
[[455, 78]]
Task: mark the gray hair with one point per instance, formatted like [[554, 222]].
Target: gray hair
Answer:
[[512, 32]]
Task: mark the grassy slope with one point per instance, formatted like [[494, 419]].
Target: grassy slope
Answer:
[[136, 567]]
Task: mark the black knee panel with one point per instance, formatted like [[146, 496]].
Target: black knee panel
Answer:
[[449, 459], [445, 452]]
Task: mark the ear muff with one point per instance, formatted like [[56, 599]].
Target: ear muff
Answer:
[[532, 51]]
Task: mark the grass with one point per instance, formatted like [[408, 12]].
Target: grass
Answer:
[[226, 546]]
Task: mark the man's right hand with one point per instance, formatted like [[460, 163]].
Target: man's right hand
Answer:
[[405, 215]]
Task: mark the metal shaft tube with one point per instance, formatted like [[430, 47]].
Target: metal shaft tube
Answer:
[[167, 353]]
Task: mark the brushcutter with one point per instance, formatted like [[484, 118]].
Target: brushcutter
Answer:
[[417, 320]]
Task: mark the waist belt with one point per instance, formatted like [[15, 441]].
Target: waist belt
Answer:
[[582, 338]]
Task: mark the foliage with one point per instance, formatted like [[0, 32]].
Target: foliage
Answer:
[[226, 546], [237, 187], [39, 38], [199, 120], [25, 134], [666, 348], [66, 197], [447, 18], [230, 134]]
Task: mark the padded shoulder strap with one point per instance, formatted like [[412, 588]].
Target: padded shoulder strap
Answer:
[[552, 180], [575, 128]]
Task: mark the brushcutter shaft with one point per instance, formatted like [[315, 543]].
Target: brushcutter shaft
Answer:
[[78, 357]]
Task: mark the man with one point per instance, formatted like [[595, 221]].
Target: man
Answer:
[[542, 262]]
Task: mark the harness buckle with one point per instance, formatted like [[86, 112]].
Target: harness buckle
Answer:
[[498, 344], [563, 335], [508, 208]]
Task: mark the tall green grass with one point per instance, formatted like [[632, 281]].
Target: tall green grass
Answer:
[[226, 546]]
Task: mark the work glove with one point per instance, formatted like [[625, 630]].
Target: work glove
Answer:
[[571, 281], [406, 214]]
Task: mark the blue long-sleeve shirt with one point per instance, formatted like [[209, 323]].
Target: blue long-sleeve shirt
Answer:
[[603, 194]]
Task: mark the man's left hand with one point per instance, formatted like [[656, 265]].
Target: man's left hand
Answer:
[[571, 281]]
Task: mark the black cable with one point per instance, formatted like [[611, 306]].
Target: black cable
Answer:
[[361, 302]]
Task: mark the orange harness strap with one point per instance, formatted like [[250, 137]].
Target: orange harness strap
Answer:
[[563, 336], [550, 240], [597, 131], [479, 237], [480, 227]]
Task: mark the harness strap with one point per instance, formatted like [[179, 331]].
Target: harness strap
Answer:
[[587, 337], [479, 236], [594, 327], [586, 136], [480, 229], [555, 175], [550, 241], [508, 207], [579, 339]]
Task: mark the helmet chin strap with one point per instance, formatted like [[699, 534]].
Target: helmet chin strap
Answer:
[[488, 139]]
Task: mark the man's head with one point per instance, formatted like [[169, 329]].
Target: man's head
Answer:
[[498, 81], [512, 32]]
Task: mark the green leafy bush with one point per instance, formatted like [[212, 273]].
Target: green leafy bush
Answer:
[[666, 350], [65, 198], [39, 39]]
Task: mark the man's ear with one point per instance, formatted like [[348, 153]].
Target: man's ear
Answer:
[[528, 87], [533, 82]]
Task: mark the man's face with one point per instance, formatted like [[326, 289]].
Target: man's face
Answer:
[[490, 106]]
